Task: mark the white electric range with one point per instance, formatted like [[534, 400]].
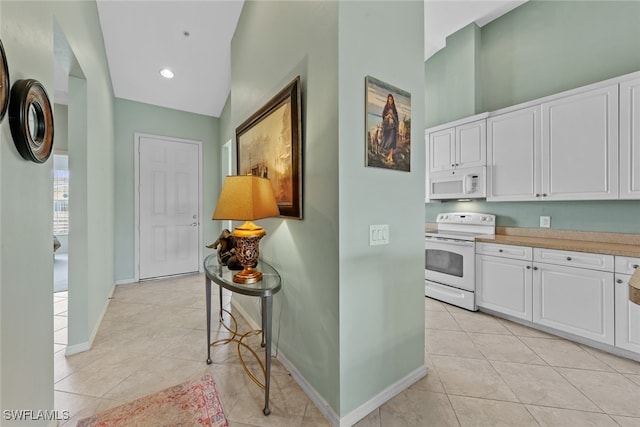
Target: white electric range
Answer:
[[449, 269]]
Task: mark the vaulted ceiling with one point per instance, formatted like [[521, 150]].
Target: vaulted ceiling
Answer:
[[193, 39]]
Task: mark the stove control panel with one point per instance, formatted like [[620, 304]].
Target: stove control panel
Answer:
[[470, 218]]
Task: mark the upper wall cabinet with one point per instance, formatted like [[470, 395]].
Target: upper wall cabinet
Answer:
[[630, 139], [564, 147], [514, 156], [457, 145], [580, 146]]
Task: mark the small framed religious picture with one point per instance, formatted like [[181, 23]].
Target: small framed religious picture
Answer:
[[388, 126]]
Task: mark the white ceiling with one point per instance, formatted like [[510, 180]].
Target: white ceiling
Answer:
[[193, 39]]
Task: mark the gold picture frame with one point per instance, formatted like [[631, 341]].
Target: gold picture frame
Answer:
[[269, 144]]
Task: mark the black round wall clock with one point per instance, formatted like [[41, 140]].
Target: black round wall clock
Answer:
[[4, 83], [31, 120]]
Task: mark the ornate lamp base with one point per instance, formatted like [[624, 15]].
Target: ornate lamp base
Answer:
[[247, 275], [247, 251]]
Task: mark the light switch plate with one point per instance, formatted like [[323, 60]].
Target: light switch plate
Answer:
[[379, 234], [545, 221]]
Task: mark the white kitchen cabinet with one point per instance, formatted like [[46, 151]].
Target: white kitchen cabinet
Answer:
[[580, 145], [627, 313], [575, 300], [627, 316], [564, 147], [505, 284], [513, 155], [459, 146], [630, 139]]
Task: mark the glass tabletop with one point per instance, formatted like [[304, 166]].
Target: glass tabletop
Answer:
[[221, 275]]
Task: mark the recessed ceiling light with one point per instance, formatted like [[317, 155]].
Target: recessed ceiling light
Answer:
[[166, 73]]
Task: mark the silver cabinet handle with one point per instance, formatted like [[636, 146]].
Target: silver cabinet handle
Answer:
[[528, 267], [535, 268], [619, 281]]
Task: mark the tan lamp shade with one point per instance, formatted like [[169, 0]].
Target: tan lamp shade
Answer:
[[634, 287], [246, 198]]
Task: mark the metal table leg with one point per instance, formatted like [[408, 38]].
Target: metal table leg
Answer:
[[208, 296], [267, 305], [220, 294]]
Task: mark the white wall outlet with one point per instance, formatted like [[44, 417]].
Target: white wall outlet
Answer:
[[379, 234], [545, 221]]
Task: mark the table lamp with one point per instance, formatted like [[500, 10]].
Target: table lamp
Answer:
[[634, 287], [246, 198]]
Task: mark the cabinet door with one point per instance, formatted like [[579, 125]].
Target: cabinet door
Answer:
[[627, 316], [442, 150], [630, 139], [513, 156], [504, 285], [580, 146], [471, 144], [574, 300]]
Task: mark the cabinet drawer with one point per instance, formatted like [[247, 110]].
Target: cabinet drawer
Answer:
[[626, 265], [574, 259], [506, 251]]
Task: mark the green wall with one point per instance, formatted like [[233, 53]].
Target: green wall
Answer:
[[544, 47], [343, 312], [538, 49], [60, 124], [26, 262], [132, 117], [381, 287], [462, 72], [273, 43]]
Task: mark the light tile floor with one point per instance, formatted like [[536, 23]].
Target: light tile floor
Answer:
[[482, 371]]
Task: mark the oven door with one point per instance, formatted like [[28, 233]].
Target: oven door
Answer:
[[450, 262]]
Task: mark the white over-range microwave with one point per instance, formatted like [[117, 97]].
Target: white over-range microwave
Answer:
[[462, 183]]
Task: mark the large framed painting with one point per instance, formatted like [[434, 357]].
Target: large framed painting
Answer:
[[269, 145], [388, 126]]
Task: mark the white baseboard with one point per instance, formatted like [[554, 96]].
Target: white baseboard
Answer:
[[77, 348], [361, 411], [311, 392], [383, 397], [84, 346], [125, 281]]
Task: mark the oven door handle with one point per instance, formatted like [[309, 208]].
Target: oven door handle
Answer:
[[450, 241]]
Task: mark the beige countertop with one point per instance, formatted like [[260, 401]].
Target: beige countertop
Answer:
[[620, 244], [608, 248]]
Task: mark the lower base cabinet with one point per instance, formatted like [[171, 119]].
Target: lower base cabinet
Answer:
[[568, 291], [627, 316], [574, 300], [504, 285]]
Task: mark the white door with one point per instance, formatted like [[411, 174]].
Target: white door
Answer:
[[169, 206]]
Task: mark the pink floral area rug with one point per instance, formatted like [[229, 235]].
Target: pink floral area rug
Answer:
[[192, 403]]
